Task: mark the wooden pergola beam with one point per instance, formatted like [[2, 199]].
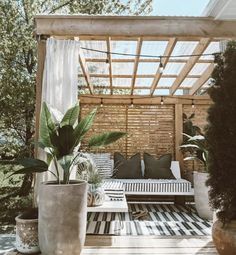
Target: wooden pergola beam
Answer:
[[200, 48], [85, 71], [127, 26], [144, 100], [136, 62], [108, 41], [202, 80], [169, 48]]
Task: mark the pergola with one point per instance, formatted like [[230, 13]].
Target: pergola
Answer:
[[124, 79]]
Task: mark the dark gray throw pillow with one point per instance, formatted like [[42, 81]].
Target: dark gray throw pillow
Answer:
[[127, 168], [157, 168]]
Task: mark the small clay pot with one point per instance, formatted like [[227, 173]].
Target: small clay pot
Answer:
[[27, 232]]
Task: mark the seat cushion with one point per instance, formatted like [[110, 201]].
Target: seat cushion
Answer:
[[157, 168], [127, 168]]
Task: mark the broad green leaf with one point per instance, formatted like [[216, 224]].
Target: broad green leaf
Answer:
[[29, 170], [47, 126], [190, 158], [189, 146], [32, 162], [71, 116], [83, 127], [105, 139], [63, 141]]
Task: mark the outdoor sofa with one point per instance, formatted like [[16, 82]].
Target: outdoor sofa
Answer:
[[141, 186]]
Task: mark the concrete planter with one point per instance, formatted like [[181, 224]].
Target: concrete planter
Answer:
[[201, 196], [224, 237], [62, 218], [27, 233]]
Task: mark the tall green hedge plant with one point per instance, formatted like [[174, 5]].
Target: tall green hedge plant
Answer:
[[221, 135]]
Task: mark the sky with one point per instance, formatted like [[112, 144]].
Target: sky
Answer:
[[179, 7]]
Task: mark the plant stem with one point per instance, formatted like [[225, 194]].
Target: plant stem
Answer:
[[57, 170]]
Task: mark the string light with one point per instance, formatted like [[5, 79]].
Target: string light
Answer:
[[193, 105], [161, 67], [132, 103], [162, 101], [150, 56], [101, 102]]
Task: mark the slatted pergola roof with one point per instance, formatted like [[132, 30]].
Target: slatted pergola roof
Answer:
[[156, 36], [112, 74]]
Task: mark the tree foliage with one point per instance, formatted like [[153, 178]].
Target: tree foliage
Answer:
[[18, 61], [221, 135]]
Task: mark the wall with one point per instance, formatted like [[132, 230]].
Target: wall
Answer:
[[150, 128]]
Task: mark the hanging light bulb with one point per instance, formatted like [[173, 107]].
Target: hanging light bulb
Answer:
[[101, 102], [132, 104], [193, 105], [107, 63], [161, 67], [162, 101]]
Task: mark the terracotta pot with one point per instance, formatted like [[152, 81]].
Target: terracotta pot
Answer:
[[27, 233], [201, 196], [224, 237], [62, 218]]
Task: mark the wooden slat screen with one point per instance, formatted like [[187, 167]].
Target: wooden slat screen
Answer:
[[150, 128]]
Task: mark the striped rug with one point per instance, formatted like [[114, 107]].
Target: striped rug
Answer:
[[161, 220]]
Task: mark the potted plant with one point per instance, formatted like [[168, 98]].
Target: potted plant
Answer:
[[62, 202], [197, 147], [221, 134], [27, 232], [88, 171]]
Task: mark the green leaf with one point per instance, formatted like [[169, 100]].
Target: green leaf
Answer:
[[83, 127], [105, 139], [189, 146], [63, 141], [71, 116], [47, 126]]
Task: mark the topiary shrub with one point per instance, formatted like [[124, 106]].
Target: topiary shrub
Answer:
[[221, 135]]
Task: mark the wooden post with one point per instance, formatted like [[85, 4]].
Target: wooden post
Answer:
[[178, 131], [39, 81]]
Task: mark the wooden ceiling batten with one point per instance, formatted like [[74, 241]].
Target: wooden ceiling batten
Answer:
[[108, 41], [85, 71], [136, 62], [200, 48], [202, 80], [169, 48]]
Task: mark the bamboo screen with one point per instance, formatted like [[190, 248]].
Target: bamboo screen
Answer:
[[150, 128]]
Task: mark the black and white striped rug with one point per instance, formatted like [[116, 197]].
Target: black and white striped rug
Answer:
[[161, 220]]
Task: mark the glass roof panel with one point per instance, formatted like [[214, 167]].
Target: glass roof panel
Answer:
[[143, 82], [180, 92], [199, 68], [98, 68], [173, 68], [161, 92], [121, 82], [156, 48], [97, 81], [147, 68], [141, 91], [207, 84], [123, 47], [81, 82], [188, 82], [184, 48], [122, 68], [102, 91], [213, 47], [166, 82], [97, 45], [121, 91]]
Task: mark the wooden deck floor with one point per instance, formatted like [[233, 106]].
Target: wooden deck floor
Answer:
[[117, 245]]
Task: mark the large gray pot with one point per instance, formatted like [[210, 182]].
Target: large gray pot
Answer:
[[201, 196], [62, 218]]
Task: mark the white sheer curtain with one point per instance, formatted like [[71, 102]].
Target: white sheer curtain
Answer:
[[60, 82]]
